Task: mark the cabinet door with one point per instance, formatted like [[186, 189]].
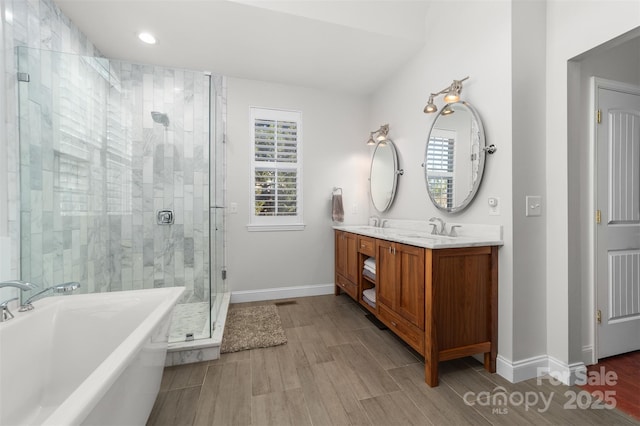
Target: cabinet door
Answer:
[[341, 253], [351, 271], [347, 255], [385, 273], [410, 286]]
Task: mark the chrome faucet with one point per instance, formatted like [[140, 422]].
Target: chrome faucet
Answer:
[[376, 220], [58, 289], [22, 285], [5, 313], [435, 231], [452, 231]]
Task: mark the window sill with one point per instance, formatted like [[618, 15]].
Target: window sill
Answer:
[[276, 228]]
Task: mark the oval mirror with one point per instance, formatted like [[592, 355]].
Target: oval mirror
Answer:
[[454, 158], [383, 176]]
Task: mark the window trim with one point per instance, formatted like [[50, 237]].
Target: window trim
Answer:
[[276, 223], [445, 135]]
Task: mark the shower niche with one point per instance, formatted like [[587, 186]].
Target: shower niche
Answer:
[[106, 147]]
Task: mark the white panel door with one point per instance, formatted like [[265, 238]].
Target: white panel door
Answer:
[[618, 234]]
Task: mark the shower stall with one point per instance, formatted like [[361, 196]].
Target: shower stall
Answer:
[[121, 180]]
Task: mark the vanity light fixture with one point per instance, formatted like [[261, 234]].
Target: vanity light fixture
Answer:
[[147, 38], [451, 94], [378, 135], [447, 110]]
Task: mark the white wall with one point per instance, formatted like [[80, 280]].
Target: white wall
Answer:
[[479, 47], [529, 237], [573, 27], [335, 132]]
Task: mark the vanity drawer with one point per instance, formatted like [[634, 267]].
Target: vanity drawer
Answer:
[[367, 246], [347, 286], [403, 328]]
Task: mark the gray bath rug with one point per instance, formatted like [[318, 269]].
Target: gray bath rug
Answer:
[[252, 327]]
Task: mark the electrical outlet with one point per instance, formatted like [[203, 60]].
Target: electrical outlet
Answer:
[[233, 208]]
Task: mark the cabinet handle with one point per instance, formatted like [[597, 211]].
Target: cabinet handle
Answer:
[[389, 249], [394, 324], [394, 251]]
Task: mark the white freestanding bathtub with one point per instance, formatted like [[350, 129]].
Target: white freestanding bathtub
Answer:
[[94, 359]]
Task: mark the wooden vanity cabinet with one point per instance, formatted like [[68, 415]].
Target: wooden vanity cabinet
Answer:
[[461, 306], [442, 302], [346, 263]]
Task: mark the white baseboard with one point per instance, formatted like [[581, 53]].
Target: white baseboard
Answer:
[[521, 370], [281, 293], [566, 373], [537, 366], [588, 355]]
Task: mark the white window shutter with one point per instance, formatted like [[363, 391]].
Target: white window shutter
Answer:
[[276, 170]]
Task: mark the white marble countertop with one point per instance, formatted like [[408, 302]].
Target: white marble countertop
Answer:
[[485, 235]]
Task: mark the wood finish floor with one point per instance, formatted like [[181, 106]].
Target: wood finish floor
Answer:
[[625, 387], [339, 369]]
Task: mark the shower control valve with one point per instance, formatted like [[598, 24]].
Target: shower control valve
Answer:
[[164, 217]]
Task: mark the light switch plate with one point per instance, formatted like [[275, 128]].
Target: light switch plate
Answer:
[[534, 205], [233, 208]]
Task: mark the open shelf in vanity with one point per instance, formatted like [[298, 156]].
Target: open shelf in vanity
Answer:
[[366, 250], [441, 300]]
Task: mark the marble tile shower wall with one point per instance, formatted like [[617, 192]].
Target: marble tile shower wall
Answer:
[[169, 171], [147, 168], [96, 168], [37, 24]]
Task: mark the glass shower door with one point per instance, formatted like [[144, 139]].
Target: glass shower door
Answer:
[[105, 146], [217, 208], [64, 189]]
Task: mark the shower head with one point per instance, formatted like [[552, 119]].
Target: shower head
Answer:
[[161, 118]]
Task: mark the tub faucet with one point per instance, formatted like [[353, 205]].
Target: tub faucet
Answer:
[[435, 231], [22, 285], [61, 288], [5, 313]]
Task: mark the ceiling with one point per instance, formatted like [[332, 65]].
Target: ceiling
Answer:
[[342, 45]]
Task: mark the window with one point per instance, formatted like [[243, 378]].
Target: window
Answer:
[[276, 170], [440, 167]]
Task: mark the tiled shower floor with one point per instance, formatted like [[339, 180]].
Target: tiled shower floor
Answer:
[[190, 318]]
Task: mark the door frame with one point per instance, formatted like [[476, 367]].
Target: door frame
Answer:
[[596, 84]]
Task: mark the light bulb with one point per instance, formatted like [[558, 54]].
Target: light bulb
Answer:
[[147, 38], [451, 96], [430, 108]]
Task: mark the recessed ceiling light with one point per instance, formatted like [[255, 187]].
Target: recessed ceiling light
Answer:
[[147, 38]]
